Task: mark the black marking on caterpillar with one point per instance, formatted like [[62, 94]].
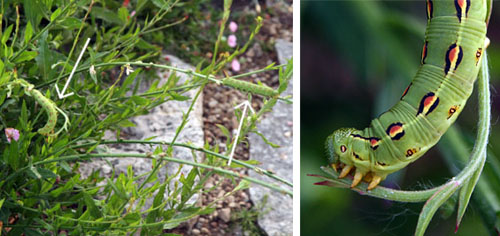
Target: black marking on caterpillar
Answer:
[[429, 9], [373, 140], [428, 103], [406, 91], [395, 131], [453, 56]]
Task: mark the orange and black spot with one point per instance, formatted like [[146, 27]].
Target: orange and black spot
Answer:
[[381, 163], [410, 152], [429, 9], [374, 142], [453, 57], [406, 90], [452, 111], [424, 52], [428, 103], [462, 7], [395, 131], [479, 52]]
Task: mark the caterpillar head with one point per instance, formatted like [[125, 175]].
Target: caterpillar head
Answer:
[[338, 144], [347, 149]]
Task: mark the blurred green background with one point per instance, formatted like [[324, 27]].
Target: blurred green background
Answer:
[[357, 57]]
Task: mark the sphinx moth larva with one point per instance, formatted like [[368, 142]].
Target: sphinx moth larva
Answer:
[[454, 42], [50, 109], [249, 87]]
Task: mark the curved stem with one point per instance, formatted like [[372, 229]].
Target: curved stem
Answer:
[[81, 157], [249, 166]]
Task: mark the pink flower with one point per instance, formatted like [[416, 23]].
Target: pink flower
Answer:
[[235, 65], [231, 41], [233, 26], [11, 133]]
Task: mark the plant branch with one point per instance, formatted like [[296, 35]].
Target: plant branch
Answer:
[[249, 166]]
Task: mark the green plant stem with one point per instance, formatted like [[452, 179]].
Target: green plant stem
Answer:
[[173, 68], [81, 157], [249, 166]]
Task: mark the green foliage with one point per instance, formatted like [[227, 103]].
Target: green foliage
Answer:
[[41, 190]]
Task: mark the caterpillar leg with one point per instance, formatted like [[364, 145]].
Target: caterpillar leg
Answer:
[[369, 177], [375, 181], [334, 166], [357, 178], [345, 171]]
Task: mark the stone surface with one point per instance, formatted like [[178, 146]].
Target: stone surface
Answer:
[[277, 126], [161, 123]]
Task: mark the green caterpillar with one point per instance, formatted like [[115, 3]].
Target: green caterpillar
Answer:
[[49, 107], [47, 104], [250, 87], [454, 43]]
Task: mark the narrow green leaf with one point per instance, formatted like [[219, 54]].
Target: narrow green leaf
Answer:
[[34, 11], [433, 204], [126, 123], [244, 184], [91, 206], [466, 192], [106, 15], [24, 116], [225, 132], [117, 190], [26, 56], [266, 140], [28, 32], [55, 14], [6, 34], [128, 81], [187, 184], [70, 23], [44, 59]]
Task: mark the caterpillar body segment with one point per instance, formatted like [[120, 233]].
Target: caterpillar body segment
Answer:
[[250, 87], [454, 42]]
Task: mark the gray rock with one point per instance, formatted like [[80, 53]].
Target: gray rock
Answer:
[[225, 214], [277, 127], [161, 123]]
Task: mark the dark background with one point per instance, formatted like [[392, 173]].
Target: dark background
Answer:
[[357, 57]]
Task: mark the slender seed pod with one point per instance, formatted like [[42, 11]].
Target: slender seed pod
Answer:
[[454, 43], [250, 87]]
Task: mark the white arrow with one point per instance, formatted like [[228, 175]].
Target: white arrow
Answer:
[[245, 104], [61, 94]]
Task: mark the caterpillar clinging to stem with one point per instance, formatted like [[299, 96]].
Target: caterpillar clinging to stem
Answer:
[[48, 105], [454, 43]]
